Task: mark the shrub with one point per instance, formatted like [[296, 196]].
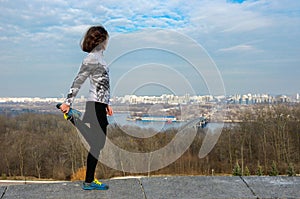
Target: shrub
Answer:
[[274, 170], [247, 172], [259, 170], [291, 171], [3, 176], [237, 171], [79, 174]]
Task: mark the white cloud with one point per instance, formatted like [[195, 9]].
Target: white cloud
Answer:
[[224, 29], [252, 23], [224, 17], [239, 48]]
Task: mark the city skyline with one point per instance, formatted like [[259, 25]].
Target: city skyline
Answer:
[[253, 45], [238, 98]]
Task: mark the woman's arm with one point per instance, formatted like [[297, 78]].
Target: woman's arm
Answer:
[[77, 83]]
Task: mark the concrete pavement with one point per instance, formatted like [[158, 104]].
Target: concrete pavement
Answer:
[[165, 188]]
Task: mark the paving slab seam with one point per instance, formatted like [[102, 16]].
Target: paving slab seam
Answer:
[[142, 187], [252, 191], [3, 193]]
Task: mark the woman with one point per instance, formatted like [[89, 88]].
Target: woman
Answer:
[[94, 67]]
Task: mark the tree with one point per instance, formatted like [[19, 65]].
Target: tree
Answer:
[[247, 171], [237, 171], [291, 171], [259, 170], [274, 170]]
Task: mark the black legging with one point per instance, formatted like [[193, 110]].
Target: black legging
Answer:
[[95, 114]]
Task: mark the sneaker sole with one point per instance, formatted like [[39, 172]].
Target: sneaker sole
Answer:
[[95, 188]]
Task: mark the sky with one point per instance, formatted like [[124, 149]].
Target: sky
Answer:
[[246, 46]]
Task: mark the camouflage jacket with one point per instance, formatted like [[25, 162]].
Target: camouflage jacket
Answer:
[[94, 68]]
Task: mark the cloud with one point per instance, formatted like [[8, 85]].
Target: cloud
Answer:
[[35, 31], [216, 16], [239, 48]]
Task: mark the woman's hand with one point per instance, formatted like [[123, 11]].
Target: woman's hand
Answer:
[[109, 110], [64, 108]]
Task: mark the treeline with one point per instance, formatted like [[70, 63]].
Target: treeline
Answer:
[[47, 146], [44, 146]]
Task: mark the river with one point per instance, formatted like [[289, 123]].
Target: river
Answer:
[[121, 120]]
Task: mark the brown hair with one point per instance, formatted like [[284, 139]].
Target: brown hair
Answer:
[[94, 37]]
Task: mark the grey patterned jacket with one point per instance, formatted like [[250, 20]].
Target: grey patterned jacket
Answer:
[[94, 67]]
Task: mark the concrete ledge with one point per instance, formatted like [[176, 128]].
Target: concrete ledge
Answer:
[[274, 187], [164, 187], [195, 187]]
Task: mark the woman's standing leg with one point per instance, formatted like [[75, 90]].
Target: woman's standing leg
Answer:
[[92, 159]]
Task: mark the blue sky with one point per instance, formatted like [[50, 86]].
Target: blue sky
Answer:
[[255, 44]]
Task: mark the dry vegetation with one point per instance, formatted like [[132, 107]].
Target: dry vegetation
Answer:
[[46, 146]]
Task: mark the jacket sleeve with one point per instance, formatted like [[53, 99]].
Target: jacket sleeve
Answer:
[[77, 83]]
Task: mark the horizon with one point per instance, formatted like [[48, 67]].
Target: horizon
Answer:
[[226, 95]]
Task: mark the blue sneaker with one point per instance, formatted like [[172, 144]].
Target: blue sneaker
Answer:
[[95, 185]]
